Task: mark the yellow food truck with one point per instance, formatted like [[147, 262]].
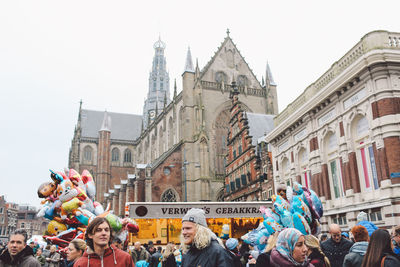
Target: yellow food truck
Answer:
[[161, 222]]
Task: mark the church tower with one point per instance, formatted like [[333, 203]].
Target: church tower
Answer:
[[158, 85]]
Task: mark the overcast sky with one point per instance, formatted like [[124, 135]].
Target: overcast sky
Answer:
[[54, 53]]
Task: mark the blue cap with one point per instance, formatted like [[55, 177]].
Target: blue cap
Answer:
[[231, 243], [345, 234]]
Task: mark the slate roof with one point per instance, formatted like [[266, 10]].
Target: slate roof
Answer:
[[123, 126], [259, 125]]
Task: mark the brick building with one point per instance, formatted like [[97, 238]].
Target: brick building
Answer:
[[248, 167], [28, 221], [341, 136]]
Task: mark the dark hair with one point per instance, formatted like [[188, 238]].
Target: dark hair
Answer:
[[159, 249], [360, 233], [91, 229], [21, 232], [379, 245]]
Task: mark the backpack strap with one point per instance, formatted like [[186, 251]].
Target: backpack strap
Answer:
[[383, 261]]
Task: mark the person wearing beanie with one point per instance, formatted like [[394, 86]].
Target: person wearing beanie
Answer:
[[232, 247], [200, 246], [362, 219]]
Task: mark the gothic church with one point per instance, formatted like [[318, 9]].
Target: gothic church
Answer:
[[175, 150]]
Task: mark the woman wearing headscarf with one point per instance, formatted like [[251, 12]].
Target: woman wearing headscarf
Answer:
[[290, 250], [315, 254], [379, 252]]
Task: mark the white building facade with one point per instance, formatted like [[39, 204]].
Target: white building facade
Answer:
[[341, 136]]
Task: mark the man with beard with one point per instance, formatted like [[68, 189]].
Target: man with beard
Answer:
[[200, 245], [17, 252]]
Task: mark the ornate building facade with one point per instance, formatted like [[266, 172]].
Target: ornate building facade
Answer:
[[249, 166], [180, 155], [341, 136]]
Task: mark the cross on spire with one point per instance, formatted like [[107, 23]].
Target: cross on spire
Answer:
[[227, 32]]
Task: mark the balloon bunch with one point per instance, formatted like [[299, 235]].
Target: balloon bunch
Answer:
[[301, 209], [70, 206]]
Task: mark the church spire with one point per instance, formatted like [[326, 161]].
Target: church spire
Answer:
[[197, 72], [106, 125], [165, 100], [189, 62], [268, 77], [158, 84]]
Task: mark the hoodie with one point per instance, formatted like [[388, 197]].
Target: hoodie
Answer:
[[112, 257], [356, 254]]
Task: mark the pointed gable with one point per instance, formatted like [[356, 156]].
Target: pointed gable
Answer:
[[227, 64]]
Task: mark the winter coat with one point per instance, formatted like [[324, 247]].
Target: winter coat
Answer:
[[23, 259], [55, 259], [170, 261], [212, 256], [263, 259], [370, 226], [391, 261], [336, 252], [235, 258], [41, 259], [155, 259], [277, 260], [141, 255], [317, 259], [356, 254], [113, 257]]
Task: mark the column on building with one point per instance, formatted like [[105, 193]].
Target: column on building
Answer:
[[116, 199], [103, 158], [122, 198]]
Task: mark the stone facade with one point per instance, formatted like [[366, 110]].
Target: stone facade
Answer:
[[182, 150], [341, 135]]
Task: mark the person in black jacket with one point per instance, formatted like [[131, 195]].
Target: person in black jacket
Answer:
[[336, 247], [200, 244], [232, 247], [380, 251], [155, 257]]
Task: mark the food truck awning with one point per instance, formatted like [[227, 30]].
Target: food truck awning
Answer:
[[160, 210]]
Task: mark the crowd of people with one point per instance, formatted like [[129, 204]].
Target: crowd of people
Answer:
[[201, 247]]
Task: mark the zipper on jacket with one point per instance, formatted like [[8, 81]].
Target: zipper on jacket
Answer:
[[101, 258]]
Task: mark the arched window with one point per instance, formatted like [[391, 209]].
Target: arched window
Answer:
[[115, 155], [127, 155], [303, 164], [365, 154], [334, 168], [88, 153], [169, 196]]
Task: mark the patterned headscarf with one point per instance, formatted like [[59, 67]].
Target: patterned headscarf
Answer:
[[286, 243]]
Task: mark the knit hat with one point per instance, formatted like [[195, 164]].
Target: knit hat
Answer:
[[195, 215], [362, 216], [231, 243]]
